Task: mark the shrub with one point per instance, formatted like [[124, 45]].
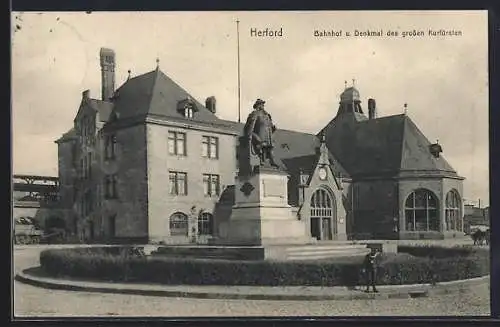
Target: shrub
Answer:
[[122, 264]]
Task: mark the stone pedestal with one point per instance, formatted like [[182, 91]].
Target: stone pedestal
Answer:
[[261, 214]]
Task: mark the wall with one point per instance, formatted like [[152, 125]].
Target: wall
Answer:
[[131, 205], [375, 207], [161, 205], [67, 174]]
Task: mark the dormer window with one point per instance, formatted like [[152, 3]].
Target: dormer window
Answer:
[[188, 112], [187, 108], [435, 149]]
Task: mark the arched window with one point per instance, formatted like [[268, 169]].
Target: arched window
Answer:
[[205, 223], [422, 211], [453, 216], [179, 224], [323, 218]]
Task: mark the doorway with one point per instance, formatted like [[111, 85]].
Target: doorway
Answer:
[[323, 215]]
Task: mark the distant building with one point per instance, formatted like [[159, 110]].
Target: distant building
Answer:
[[475, 216], [149, 163]]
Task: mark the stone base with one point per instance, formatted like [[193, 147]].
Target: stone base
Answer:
[[256, 231], [261, 214]]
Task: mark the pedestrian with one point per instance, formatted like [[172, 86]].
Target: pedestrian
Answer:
[[370, 270]]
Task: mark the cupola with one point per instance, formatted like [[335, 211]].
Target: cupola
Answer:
[[350, 100]]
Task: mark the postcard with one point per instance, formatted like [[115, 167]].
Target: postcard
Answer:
[[238, 164]]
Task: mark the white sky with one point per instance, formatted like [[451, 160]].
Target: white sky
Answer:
[[444, 80]]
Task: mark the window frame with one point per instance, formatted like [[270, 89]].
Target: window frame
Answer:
[[182, 221], [208, 183], [111, 186], [176, 138], [205, 225], [174, 182], [429, 208], [207, 142], [453, 212], [110, 147]]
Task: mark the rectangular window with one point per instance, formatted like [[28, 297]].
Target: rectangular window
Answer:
[[74, 155], [110, 147], [110, 186], [214, 147], [188, 112], [172, 177], [81, 169], [85, 167], [210, 147], [90, 165], [178, 183], [177, 143], [205, 145], [206, 185], [211, 185]]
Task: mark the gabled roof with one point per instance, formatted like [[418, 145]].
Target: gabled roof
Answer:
[[415, 152], [156, 94], [386, 145]]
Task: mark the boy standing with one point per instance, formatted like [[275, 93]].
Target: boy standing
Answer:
[[371, 269]]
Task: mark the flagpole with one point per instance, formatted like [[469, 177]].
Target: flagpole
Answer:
[[239, 82]]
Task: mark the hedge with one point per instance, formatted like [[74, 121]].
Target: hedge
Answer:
[[119, 265]]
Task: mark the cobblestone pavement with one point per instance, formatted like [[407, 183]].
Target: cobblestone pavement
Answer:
[[34, 301]]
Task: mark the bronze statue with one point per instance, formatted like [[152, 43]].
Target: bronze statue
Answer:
[[258, 132]]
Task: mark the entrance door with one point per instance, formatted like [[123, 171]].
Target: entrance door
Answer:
[[91, 230], [111, 226], [326, 229], [323, 215], [315, 228]]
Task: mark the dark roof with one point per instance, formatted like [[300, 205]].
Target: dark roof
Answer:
[[68, 136], [104, 108], [296, 150], [383, 145], [156, 94]]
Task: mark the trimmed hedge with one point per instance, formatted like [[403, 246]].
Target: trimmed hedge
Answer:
[[121, 264]]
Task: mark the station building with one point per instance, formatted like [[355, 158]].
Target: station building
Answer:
[[147, 162]]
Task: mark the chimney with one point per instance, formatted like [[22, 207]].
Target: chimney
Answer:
[[107, 57], [210, 104], [372, 109], [86, 94]]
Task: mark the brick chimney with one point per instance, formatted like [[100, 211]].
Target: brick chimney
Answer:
[[107, 57], [372, 109], [210, 104]]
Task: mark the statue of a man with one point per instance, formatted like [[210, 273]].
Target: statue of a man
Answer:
[[259, 129]]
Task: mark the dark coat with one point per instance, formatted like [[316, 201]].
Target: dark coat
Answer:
[[259, 129]]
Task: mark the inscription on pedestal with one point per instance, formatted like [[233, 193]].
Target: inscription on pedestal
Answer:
[[273, 188]]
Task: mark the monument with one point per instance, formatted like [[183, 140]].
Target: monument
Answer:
[[261, 214]]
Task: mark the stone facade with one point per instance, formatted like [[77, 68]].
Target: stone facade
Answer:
[[161, 204]]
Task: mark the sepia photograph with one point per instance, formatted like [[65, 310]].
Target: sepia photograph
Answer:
[[250, 164]]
